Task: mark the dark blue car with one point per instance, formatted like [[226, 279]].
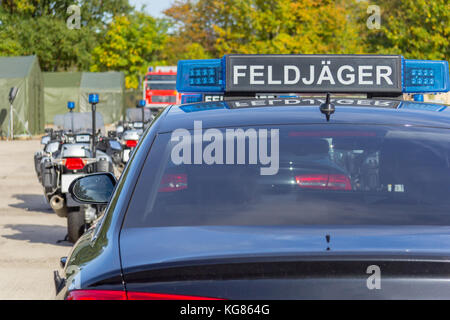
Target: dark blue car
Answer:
[[302, 197]]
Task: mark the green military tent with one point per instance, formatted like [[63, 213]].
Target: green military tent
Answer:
[[110, 87], [59, 88], [28, 107]]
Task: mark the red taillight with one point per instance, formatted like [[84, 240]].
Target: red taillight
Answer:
[[96, 295], [131, 143], [122, 295], [324, 181], [173, 182], [74, 163]]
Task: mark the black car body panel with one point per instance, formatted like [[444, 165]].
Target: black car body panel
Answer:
[[287, 262], [94, 261], [262, 262]]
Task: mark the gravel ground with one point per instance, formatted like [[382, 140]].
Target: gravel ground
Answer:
[[29, 230]]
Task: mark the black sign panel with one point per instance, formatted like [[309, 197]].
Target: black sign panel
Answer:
[[299, 101], [313, 73]]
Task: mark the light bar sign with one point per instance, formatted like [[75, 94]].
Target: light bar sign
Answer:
[[313, 73]]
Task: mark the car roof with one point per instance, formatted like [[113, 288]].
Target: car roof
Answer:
[[260, 112]]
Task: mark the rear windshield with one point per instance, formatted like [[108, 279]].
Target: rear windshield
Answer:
[[326, 175], [163, 98], [164, 77], [161, 86]]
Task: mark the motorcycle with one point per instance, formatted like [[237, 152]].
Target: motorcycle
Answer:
[[137, 120], [50, 141], [71, 155]]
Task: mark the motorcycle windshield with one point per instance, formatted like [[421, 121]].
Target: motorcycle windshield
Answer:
[[135, 114], [78, 122]]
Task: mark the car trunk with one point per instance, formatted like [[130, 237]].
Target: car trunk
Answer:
[[288, 262]]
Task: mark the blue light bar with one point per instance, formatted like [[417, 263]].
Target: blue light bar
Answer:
[[422, 76], [191, 98], [93, 98], [200, 76], [203, 106], [70, 105], [312, 73]]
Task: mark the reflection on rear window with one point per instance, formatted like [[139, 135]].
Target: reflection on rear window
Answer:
[[161, 86], [156, 98], [328, 175]]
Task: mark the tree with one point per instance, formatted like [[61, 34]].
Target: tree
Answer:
[[130, 45], [176, 48], [268, 26], [40, 27], [418, 29]]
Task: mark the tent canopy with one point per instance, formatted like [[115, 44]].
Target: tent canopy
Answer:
[[59, 88], [16, 67], [28, 107], [111, 88]]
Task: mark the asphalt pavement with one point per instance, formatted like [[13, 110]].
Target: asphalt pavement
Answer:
[[29, 230]]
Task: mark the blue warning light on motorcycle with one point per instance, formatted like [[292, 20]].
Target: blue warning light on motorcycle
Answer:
[[70, 105], [93, 98]]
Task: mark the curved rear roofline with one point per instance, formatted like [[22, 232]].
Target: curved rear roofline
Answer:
[[257, 112]]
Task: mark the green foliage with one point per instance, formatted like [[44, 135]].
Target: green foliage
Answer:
[[417, 29], [175, 48], [113, 36], [57, 47], [269, 26], [129, 45], [40, 27], [414, 28]]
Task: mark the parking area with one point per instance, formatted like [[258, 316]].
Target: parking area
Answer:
[[29, 230]]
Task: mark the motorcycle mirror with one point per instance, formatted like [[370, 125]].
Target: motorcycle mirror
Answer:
[[12, 94], [45, 140]]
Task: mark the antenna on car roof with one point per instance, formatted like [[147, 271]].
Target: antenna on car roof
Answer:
[[327, 108]]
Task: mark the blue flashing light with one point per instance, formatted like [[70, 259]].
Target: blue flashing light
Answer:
[[70, 105], [203, 107], [150, 69], [200, 76], [93, 98], [191, 98], [142, 103], [422, 76]]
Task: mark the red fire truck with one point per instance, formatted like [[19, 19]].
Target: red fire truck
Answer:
[[160, 87]]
